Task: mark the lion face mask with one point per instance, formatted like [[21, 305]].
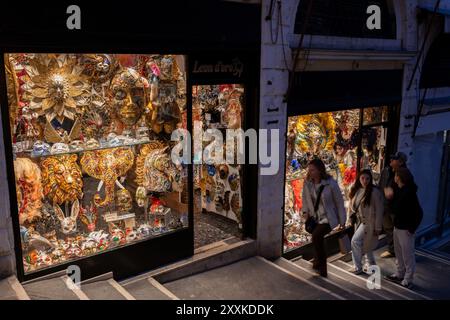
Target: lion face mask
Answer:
[[62, 179]]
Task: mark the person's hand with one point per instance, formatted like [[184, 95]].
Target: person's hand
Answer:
[[389, 193], [348, 224]]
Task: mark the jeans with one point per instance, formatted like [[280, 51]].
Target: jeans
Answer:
[[404, 252], [320, 255], [357, 248]]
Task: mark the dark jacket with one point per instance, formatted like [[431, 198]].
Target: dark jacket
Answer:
[[387, 180], [406, 208]]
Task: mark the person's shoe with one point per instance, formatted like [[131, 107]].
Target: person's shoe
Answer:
[[356, 271], [394, 277], [405, 283], [387, 254]]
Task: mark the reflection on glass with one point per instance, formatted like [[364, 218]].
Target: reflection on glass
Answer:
[[375, 115], [373, 147], [91, 143]]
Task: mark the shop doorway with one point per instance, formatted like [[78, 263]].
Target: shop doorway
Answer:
[[218, 187]]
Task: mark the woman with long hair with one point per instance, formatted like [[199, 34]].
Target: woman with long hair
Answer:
[[322, 199], [366, 203]]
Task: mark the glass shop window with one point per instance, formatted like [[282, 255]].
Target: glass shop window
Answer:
[[91, 144], [344, 147]]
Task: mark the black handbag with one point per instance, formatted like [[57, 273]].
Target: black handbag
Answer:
[[311, 223]]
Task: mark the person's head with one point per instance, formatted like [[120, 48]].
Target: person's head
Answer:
[[339, 149], [317, 170], [403, 177], [398, 160], [365, 181]]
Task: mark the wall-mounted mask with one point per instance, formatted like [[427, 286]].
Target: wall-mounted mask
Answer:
[[62, 179], [129, 94], [107, 166]]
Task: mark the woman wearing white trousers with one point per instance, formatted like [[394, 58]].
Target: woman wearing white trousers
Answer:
[[366, 203], [408, 215]]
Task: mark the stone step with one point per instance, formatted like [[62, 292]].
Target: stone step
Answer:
[[430, 278], [393, 291], [56, 288], [343, 280], [310, 276], [215, 256], [149, 289], [250, 279], [11, 289], [104, 287]]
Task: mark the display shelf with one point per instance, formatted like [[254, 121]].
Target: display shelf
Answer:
[[29, 153]]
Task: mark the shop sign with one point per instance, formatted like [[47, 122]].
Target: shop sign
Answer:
[[235, 67]]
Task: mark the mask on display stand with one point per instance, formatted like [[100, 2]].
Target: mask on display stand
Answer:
[[124, 202], [68, 224], [89, 217]]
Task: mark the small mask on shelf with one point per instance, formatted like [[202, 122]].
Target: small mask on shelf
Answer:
[[123, 200], [59, 148], [41, 149]]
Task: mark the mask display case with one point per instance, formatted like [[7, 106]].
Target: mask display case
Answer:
[[346, 141], [91, 141]]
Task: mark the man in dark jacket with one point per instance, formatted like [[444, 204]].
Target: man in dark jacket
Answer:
[[408, 215], [390, 190]]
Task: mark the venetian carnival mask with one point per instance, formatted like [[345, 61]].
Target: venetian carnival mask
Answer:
[[57, 87], [123, 200], [68, 224], [129, 95], [62, 179], [315, 132], [160, 171], [107, 166], [29, 189], [99, 67], [140, 161]]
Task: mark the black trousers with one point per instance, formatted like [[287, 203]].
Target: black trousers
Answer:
[[320, 255]]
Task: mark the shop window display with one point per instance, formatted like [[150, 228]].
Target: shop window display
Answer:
[[343, 145], [91, 145], [219, 186]]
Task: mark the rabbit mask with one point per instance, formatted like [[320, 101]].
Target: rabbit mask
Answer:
[[68, 224]]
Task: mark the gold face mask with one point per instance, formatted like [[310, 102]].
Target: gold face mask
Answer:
[[62, 179], [107, 166], [128, 94]]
